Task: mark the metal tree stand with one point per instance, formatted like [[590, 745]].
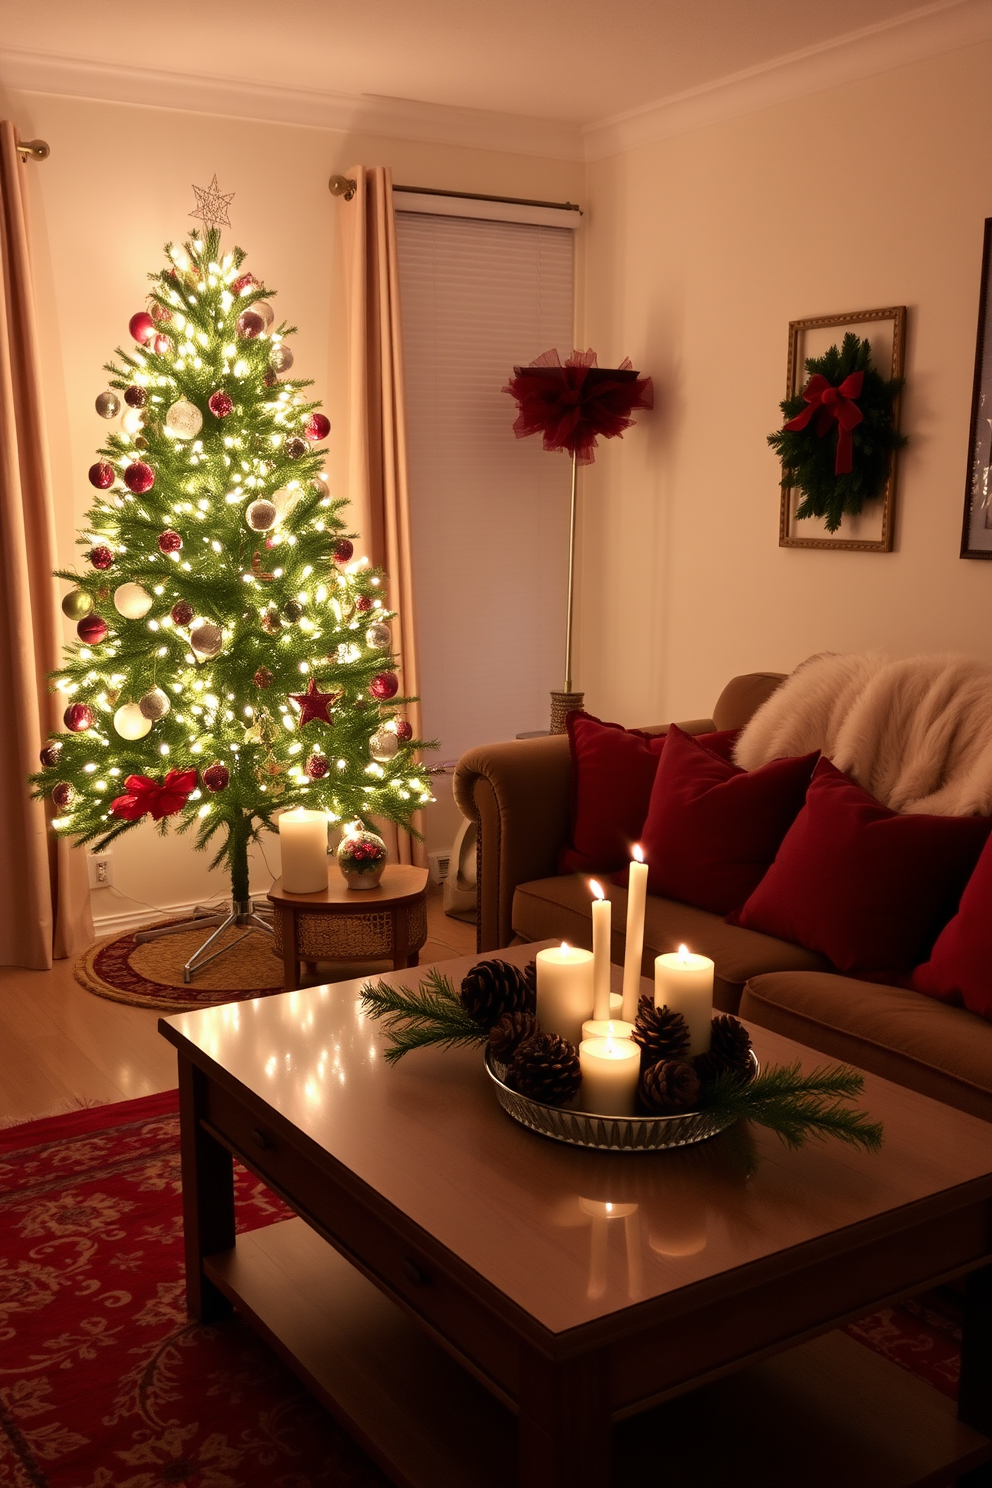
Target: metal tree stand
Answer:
[[563, 702], [242, 912]]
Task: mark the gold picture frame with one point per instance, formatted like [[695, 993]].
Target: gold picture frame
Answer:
[[873, 530]]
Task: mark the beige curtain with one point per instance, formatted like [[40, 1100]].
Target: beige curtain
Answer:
[[377, 476], [44, 898]]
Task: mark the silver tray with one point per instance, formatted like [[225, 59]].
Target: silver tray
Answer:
[[607, 1133]]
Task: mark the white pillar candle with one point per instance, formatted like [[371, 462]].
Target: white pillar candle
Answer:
[[684, 983], [303, 844], [602, 929], [637, 888], [564, 990], [607, 1028], [611, 1069]]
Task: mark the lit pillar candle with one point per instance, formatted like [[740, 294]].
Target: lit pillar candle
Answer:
[[607, 1028], [303, 844], [637, 888], [602, 929], [684, 983], [564, 990], [611, 1069]]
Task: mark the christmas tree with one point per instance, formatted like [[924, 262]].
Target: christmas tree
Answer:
[[232, 659]]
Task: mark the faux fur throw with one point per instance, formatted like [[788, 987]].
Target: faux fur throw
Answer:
[[916, 733]]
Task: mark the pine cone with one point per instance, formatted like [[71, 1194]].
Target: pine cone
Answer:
[[660, 1033], [546, 1068], [512, 1030], [530, 977], [669, 1087], [491, 989], [729, 1051]]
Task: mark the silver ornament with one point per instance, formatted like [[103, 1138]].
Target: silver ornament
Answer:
[[379, 636], [281, 359], [261, 515], [264, 309], [206, 638], [383, 745], [154, 704], [184, 420], [108, 405]]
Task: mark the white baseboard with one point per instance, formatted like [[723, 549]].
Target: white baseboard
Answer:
[[134, 919]]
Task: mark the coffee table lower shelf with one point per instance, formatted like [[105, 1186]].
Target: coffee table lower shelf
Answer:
[[824, 1413]]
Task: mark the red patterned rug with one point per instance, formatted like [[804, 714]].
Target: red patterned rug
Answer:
[[104, 1381]]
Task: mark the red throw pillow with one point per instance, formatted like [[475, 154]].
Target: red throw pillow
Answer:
[[860, 884], [613, 770], [960, 965], [712, 829]]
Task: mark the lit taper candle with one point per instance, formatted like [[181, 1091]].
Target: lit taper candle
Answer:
[[637, 888], [602, 929]]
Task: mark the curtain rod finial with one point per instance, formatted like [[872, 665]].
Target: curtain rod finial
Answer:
[[344, 186], [34, 149]]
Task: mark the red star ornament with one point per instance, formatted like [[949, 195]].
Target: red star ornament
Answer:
[[314, 705]]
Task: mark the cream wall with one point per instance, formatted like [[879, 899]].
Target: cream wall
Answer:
[[700, 250], [117, 186]]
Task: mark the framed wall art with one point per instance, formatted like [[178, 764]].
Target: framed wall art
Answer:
[[872, 529], [976, 536]]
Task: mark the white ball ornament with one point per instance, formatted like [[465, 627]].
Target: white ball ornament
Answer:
[[206, 638], [378, 636], [154, 704], [261, 515], [281, 358], [131, 723], [133, 421], [184, 420], [132, 601], [383, 745]]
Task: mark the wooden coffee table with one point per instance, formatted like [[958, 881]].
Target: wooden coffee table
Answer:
[[480, 1306]]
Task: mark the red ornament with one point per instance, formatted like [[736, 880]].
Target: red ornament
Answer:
[[182, 611], [135, 397], [342, 549], [572, 404], [147, 797], [385, 685], [51, 753], [139, 477], [216, 778], [161, 345], [141, 326], [101, 475], [363, 603], [263, 677], [317, 426], [832, 404], [250, 325], [101, 557], [220, 403], [92, 630], [317, 766], [169, 541], [314, 705], [404, 730], [63, 794], [245, 281], [78, 717]]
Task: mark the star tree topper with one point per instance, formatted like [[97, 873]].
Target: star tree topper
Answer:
[[212, 205], [315, 705]]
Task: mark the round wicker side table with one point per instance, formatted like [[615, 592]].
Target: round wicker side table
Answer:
[[388, 923]]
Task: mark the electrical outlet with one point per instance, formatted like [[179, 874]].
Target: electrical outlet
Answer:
[[101, 870]]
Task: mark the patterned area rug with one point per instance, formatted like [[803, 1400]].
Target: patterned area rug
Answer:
[[151, 975], [104, 1381]]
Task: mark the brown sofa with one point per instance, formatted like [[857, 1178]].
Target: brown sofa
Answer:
[[518, 794]]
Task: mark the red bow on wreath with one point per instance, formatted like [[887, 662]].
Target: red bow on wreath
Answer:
[[830, 403], [146, 797], [571, 404]]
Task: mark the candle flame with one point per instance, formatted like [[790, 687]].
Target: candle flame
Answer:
[[609, 1046], [684, 955], [637, 852], [596, 889], [564, 945]]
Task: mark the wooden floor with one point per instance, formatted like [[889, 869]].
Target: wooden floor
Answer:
[[62, 1047]]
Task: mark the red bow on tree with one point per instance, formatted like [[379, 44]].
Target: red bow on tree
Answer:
[[146, 797], [830, 403], [571, 404]]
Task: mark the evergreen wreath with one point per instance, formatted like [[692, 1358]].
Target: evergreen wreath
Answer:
[[837, 444]]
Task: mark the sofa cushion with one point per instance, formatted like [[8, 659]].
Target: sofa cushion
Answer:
[[941, 1051], [960, 965], [613, 770], [866, 887], [558, 909], [712, 829]]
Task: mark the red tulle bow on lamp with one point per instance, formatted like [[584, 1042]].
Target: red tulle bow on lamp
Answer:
[[146, 797], [572, 403]]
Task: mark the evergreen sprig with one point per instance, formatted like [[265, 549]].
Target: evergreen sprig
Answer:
[[432, 1014], [796, 1105], [808, 459]]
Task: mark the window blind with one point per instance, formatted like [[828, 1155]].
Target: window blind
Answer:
[[489, 512]]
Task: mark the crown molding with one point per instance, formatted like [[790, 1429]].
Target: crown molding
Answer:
[[39, 72], [926, 32]]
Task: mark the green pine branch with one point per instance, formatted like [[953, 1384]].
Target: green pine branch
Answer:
[[797, 1106], [430, 1015]]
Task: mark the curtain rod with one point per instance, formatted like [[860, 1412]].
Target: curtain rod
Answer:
[[346, 185], [33, 149]]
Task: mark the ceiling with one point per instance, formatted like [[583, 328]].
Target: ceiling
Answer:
[[577, 62]]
